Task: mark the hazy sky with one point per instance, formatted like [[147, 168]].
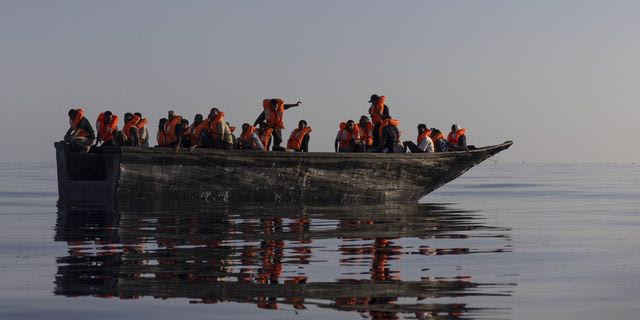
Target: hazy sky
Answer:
[[559, 78]]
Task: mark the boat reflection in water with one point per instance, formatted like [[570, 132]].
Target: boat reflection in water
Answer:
[[372, 260]]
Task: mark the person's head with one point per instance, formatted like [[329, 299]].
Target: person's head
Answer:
[[363, 121], [386, 117], [350, 125], [374, 98], [162, 123], [108, 116], [435, 132], [245, 127], [171, 114], [273, 103], [72, 113], [455, 127], [213, 113], [302, 124], [197, 119], [262, 126], [128, 116], [422, 128]]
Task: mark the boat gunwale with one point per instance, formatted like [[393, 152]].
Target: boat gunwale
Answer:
[[317, 155]]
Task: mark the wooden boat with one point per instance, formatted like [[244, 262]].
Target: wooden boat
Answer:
[[160, 176]]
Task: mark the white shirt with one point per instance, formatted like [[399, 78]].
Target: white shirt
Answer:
[[426, 145]]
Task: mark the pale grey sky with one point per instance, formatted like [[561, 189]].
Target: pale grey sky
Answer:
[[560, 78]]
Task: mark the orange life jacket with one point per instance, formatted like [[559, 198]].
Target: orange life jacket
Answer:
[[106, 131], [247, 138], [133, 123], [454, 137], [275, 119], [213, 125], [195, 130], [423, 136], [295, 140], [366, 134], [76, 122], [393, 122], [161, 138], [377, 109], [265, 137], [439, 136], [346, 136], [170, 130]]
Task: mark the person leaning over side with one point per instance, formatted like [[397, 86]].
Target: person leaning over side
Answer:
[[218, 134], [299, 139], [273, 115], [348, 138], [424, 142], [80, 135], [378, 111], [106, 127], [249, 139]]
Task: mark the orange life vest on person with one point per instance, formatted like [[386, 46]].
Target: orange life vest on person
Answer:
[[275, 119], [133, 123], [213, 125], [346, 136], [265, 137], [295, 140], [106, 131], [423, 136], [196, 129], [387, 122], [366, 134], [377, 109], [436, 137], [247, 138], [454, 137], [161, 137], [76, 122], [170, 130]]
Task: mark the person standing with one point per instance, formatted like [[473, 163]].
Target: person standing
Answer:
[[273, 114], [378, 111]]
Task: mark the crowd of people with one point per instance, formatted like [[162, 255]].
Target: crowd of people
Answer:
[[378, 134]]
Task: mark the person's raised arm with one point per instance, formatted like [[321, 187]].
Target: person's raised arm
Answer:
[[261, 118], [287, 106]]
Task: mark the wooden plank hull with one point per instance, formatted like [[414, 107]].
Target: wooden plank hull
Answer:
[[160, 176]]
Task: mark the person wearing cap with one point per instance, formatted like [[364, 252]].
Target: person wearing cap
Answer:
[[424, 142], [378, 111]]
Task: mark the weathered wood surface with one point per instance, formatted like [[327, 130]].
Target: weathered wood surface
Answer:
[[162, 175]]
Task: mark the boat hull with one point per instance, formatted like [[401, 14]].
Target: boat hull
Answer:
[[158, 176]]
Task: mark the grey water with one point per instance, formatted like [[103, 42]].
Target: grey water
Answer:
[[504, 241]]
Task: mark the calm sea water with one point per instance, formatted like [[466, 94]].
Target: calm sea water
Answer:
[[508, 241]]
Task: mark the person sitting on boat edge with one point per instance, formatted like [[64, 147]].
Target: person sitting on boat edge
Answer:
[[378, 111], [390, 136], [106, 127], [457, 139], [439, 141], [423, 143], [249, 139], [182, 134], [161, 137], [172, 129], [144, 132], [131, 134], [218, 134], [80, 135], [273, 115], [348, 138], [264, 133], [299, 139], [365, 128], [195, 131]]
